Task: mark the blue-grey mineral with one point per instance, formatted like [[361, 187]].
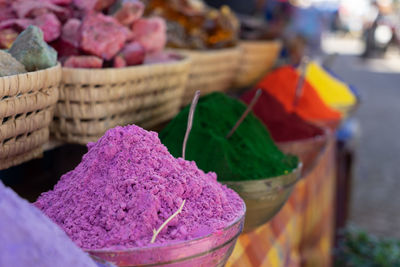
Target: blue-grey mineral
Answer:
[[32, 51], [9, 65]]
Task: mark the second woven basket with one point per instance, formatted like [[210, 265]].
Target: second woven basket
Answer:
[[257, 58], [210, 71], [95, 100]]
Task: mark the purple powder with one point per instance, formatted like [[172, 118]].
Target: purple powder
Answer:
[[29, 238], [127, 185]]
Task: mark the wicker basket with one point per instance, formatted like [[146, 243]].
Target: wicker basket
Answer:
[[210, 71], [93, 101], [27, 104], [257, 58]]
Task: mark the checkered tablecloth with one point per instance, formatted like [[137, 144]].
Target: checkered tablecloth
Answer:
[[301, 234]]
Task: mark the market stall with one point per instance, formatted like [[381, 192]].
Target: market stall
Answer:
[[248, 180]]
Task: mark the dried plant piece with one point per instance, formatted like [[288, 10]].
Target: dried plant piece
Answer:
[[9, 65], [32, 51], [156, 232], [92, 62], [102, 36]]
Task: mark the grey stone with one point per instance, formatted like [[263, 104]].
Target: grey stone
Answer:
[[32, 51], [9, 65]]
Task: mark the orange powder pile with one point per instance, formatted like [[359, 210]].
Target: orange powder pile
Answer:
[[282, 83]]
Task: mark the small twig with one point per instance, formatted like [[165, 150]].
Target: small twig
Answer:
[[190, 120], [156, 232], [245, 113], [300, 82]]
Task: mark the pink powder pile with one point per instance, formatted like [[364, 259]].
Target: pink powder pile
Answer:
[[127, 185]]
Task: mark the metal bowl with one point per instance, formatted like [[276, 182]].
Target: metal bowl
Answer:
[[211, 250], [264, 198], [307, 150]]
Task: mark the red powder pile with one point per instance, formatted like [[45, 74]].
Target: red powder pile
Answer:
[[282, 125], [282, 84]]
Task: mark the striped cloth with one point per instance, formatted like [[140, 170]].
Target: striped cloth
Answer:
[[301, 234]]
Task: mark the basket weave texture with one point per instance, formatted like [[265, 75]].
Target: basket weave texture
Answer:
[[27, 103], [210, 71], [257, 58], [95, 100]]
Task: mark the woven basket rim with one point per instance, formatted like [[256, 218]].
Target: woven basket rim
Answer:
[[182, 60], [21, 75]]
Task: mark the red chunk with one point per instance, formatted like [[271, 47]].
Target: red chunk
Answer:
[[7, 37], [90, 5], [50, 25], [83, 62], [159, 58], [32, 8], [151, 33], [18, 24], [129, 12], [102, 36], [61, 2], [71, 32], [133, 53], [119, 62], [64, 49], [6, 12]]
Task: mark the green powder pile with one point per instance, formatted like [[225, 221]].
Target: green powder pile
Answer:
[[249, 154]]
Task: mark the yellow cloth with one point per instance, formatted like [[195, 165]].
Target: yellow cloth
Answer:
[[332, 91]]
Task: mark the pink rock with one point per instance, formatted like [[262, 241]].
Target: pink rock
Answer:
[[151, 33], [32, 8], [71, 32], [64, 49], [6, 12], [90, 5], [83, 62], [7, 37], [50, 25], [160, 57], [61, 2], [129, 12], [19, 24], [119, 62], [133, 53], [102, 36]]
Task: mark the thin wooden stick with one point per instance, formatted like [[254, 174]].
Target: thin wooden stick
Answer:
[[245, 113], [190, 120], [156, 232], [300, 82]]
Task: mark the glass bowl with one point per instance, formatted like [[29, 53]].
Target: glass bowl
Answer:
[[211, 250], [264, 198], [307, 150]]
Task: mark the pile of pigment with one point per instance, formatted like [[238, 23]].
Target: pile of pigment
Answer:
[[333, 92], [249, 154], [282, 84], [127, 185], [30, 238], [283, 126]]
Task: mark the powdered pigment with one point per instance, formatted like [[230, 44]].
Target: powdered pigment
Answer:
[[127, 185], [283, 126], [282, 83], [249, 154], [29, 238]]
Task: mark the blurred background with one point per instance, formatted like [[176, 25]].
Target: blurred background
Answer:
[[359, 40]]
